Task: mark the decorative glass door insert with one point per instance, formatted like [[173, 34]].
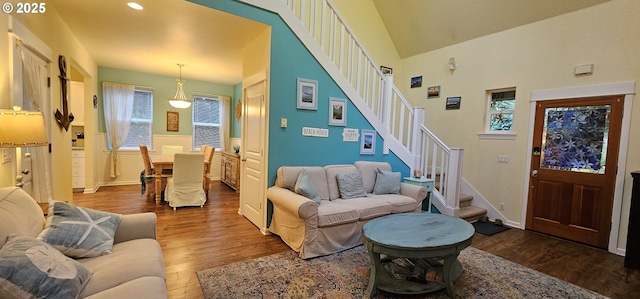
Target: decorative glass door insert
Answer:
[[575, 138]]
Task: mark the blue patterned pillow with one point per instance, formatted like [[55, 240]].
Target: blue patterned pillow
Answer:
[[305, 187], [350, 185], [80, 232], [387, 182], [30, 268]]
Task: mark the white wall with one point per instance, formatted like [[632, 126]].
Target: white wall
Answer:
[[533, 57]]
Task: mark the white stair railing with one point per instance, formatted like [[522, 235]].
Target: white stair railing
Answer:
[[325, 33]]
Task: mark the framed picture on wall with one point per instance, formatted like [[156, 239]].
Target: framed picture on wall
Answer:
[[173, 121], [368, 142], [416, 82], [433, 92], [337, 112], [453, 103], [307, 94]]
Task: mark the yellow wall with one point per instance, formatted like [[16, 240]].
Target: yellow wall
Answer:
[[538, 56], [363, 18], [51, 30]]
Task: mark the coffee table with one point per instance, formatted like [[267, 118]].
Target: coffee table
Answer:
[[415, 235]]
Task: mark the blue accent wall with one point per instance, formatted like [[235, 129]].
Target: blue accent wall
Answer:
[[291, 60]]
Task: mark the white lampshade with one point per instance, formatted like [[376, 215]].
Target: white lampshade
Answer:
[[22, 129], [180, 100]]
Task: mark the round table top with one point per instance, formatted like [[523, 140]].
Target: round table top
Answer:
[[418, 230]]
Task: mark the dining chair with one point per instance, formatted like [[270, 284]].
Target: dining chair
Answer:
[[208, 157], [148, 178], [172, 149], [184, 188]]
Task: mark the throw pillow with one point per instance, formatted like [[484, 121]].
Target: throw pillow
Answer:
[[80, 232], [350, 185], [30, 268], [387, 182], [305, 187]]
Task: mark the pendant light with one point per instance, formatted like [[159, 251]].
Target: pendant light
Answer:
[[180, 100]]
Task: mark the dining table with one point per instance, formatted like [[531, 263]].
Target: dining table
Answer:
[[160, 164]]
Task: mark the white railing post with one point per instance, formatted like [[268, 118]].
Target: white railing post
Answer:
[[386, 111], [454, 173], [416, 138]]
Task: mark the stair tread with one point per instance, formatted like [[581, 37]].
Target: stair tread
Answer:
[[471, 211], [465, 197]]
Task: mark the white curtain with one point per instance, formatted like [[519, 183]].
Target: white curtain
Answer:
[[225, 106], [118, 111], [34, 72]]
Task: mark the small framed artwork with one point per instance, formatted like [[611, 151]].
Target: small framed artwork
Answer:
[[433, 92], [173, 121], [386, 70], [337, 112], [368, 142], [453, 103], [307, 94], [416, 82]]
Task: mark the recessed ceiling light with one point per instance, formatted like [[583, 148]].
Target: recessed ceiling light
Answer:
[[135, 6]]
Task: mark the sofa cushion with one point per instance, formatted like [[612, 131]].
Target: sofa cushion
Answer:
[[398, 203], [128, 261], [387, 182], [20, 214], [149, 287], [369, 171], [305, 187], [367, 207], [79, 232], [288, 175], [331, 172], [30, 268], [330, 213], [350, 185]]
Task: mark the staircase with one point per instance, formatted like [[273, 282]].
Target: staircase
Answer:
[[328, 38]]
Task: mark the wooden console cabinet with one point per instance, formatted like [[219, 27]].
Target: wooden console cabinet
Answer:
[[230, 170]]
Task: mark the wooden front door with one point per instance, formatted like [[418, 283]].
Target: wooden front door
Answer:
[[573, 168]]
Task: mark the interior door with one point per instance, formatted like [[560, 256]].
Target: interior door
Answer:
[[573, 168], [253, 178]]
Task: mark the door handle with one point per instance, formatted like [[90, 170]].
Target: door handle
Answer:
[[534, 173]]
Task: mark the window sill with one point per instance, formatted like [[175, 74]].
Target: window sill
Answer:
[[497, 136]]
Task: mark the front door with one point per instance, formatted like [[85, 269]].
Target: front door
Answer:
[[573, 168], [253, 181]]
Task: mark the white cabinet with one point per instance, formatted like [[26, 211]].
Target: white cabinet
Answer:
[[77, 170]]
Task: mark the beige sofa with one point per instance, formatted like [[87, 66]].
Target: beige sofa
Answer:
[[134, 269], [335, 224]]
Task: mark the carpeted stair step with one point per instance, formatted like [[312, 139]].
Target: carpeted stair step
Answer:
[[472, 214], [465, 200]]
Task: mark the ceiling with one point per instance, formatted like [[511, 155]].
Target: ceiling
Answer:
[[418, 26], [209, 42]]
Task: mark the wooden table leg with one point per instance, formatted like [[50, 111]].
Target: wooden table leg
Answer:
[[158, 170], [373, 270]]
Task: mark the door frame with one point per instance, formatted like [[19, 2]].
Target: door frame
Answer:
[[626, 89]]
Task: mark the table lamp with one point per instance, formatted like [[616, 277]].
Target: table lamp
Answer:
[[21, 129]]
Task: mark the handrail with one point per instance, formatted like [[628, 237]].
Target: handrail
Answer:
[[373, 93]]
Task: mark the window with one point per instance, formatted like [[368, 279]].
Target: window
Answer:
[[142, 120], [502, 105], [206, 121]]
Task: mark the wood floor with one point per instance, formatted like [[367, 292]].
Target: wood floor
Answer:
[[194, 239]]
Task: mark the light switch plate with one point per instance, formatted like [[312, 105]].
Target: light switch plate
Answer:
[[283, 123], [6, 155]]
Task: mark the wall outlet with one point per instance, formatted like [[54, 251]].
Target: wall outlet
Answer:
[[503, 159], [502, 206]]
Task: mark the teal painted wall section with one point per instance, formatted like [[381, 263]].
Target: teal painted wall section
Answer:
[[291, 60], [163, 87], [236, 124]]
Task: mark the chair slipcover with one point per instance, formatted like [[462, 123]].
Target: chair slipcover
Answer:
[[185, 187]]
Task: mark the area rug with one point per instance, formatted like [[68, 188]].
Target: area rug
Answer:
[[345, 275], [488, 228]]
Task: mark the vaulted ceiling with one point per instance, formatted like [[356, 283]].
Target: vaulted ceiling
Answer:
[[209, 43]]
